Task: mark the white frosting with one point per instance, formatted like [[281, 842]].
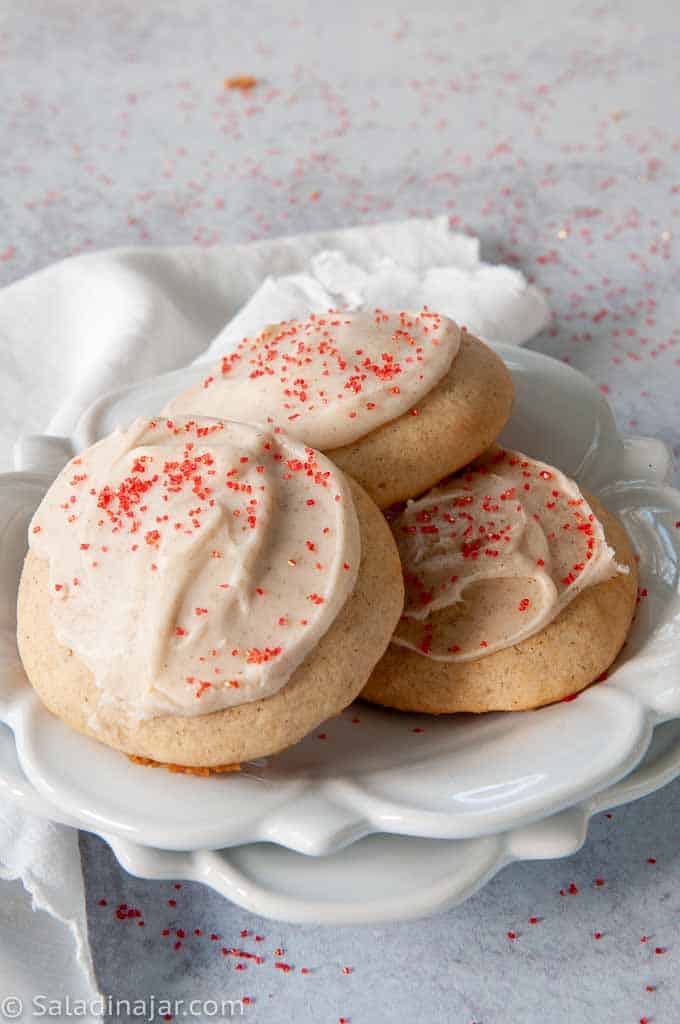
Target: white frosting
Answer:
[[493, 554], [328, 380], [195, 563]]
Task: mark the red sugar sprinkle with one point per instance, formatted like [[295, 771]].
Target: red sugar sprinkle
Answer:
[[322, 736], [417, 729], [512, 936], [651, 860], [347, 970], [534, 920], [304, 970], [282, 967], [172, 903], [214, 937], [103, 903], [573, 890], [660, 950], [256, 656], [597, 935]]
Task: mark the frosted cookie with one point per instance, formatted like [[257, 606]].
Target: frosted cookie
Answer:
[[397, 400], [520, 591], [200, 592]]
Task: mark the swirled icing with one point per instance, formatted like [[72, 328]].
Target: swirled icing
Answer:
[[493, 554], [328, 380], [195, 563]]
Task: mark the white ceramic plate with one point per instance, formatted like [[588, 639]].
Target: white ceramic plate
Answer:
[[378, 879], [454, 778]]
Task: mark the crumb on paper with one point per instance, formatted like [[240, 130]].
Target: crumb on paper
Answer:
[[243, 82]]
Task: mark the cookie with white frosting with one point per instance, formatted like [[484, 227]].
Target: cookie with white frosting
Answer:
[[520, 591], [397, 400], [202, 592]]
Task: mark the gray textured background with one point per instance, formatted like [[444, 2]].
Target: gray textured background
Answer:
[[551, 132]]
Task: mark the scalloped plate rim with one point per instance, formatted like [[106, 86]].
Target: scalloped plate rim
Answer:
[[566, 832]]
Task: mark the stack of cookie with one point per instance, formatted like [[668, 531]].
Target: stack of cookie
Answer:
[[326, 515]]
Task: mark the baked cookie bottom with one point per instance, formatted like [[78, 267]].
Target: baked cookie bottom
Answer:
[[458, 420], [184, 769], [327, 681], [561, 660]]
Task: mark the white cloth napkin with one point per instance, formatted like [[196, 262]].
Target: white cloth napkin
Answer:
[[90, 324], [43, 921]]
